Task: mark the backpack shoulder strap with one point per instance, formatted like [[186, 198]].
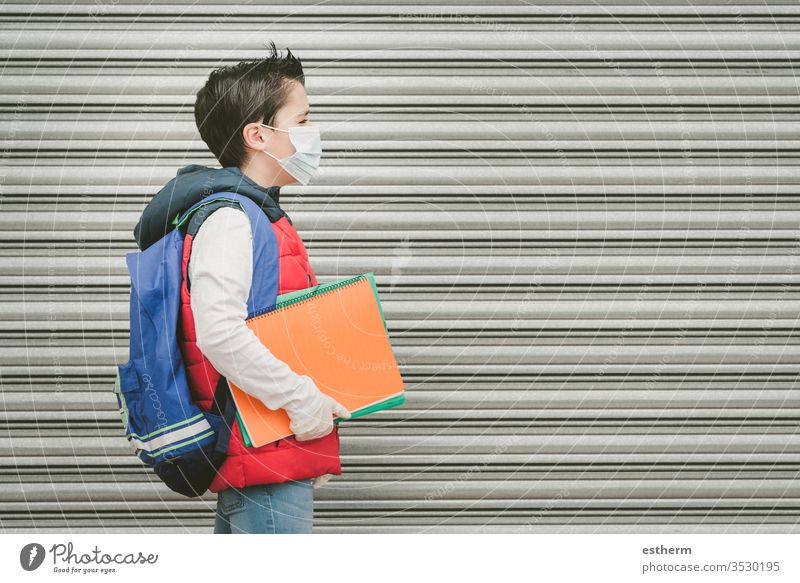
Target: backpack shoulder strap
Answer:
[[197, 218]]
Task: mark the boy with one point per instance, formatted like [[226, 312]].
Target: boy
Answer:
[[254, 117]]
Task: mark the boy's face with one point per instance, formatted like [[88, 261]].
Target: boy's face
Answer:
[[295, 112]]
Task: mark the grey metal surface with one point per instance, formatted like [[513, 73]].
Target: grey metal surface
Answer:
[[583, 220]]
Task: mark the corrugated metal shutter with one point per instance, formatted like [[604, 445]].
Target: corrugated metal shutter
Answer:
[[583, 217]]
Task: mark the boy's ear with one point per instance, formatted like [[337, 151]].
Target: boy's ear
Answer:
[[252, 135]]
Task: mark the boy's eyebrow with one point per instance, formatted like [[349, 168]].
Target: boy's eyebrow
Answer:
[[305, 113]]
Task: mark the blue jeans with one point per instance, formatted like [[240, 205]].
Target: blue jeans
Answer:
[[282, 508]]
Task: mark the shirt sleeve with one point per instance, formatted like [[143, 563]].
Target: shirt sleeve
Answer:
[[220, 272]]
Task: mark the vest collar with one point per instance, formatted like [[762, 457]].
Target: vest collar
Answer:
[[193, 183]]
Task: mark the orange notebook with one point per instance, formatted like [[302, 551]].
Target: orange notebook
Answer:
[[336, 334]]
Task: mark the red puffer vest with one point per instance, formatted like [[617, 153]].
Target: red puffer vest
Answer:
[[285, 459]]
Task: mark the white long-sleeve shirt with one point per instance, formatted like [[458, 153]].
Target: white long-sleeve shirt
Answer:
[[220, 274]]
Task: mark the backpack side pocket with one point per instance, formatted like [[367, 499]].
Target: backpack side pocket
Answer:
[[126, 389]]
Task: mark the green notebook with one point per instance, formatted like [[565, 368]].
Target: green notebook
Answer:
[[290, 298]]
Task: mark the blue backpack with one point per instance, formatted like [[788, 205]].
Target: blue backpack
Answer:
[[183, 444]]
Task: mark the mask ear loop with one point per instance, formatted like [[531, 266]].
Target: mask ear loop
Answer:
[[274, 128]]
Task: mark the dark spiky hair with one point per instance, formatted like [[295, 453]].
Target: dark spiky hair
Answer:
[[239, 94]]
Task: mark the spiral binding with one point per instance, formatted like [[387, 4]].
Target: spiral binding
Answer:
[[305, 297]]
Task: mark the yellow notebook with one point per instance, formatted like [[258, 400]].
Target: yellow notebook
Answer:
[[336, 334]]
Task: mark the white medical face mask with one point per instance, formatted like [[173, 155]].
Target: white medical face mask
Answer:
[[308, 149]]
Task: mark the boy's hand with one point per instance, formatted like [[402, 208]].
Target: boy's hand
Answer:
[[312, 418]]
